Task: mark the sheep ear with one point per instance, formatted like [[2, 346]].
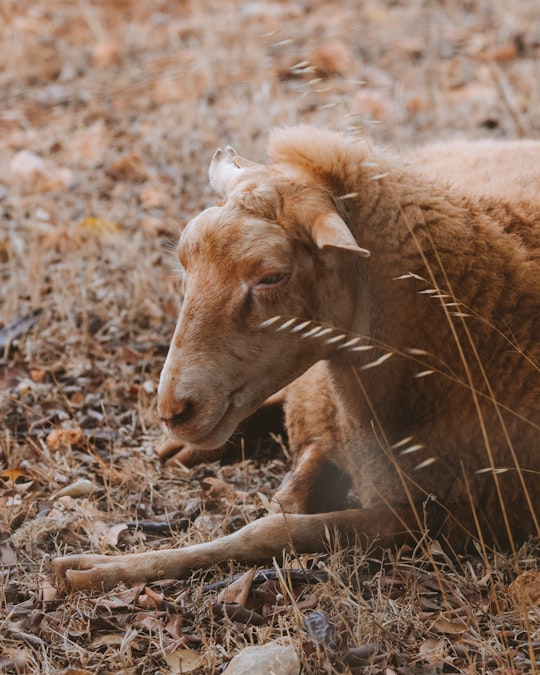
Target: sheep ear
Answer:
[[331, 231], [226, 170]]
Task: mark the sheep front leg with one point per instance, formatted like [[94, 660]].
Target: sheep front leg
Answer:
[[317, 484], [264, 539]]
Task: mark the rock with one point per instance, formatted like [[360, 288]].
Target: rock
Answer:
[[272, 657], [26, 166], [30, 171]]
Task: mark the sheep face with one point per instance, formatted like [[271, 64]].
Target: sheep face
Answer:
[[266, 251]]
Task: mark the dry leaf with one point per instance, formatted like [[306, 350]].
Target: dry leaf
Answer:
[[129, 167], [215, 488], [526, 587], [80, 488], [46, 588], [100, 226], [12, 475], [449, 626], [113, 535], [60, 439], [432, 647], [183, 660], [8, 556], [238, 591]]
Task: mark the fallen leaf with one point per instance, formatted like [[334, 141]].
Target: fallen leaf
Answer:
[[526, 587], [47, 590], [431, 647], [113, 534], [100, 226], [183, 661], [147, 622], [237, 613], [128, 167], [238, 591], [11, 374], [38, 375], [26, 165], [8, 556], [152, 199], [363, 655], [59, 439], [215, 488], [333, 58], [12, 475], [80, 488], [449, 626]]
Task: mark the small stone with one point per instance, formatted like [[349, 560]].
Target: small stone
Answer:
[[26, 166], [269, 658]]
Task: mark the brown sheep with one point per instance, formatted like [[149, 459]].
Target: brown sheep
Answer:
[[400, 303]]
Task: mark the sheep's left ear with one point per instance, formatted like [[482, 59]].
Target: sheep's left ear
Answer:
[[330, 231]]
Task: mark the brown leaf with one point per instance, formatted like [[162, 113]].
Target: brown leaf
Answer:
[[128, 167], [8, 556], [238, 591], [174, 626], [183, 660], [11, 475], [80, 488], [215, 488], [449, 626], [148, 622], [526, 587], [100, 226], [431, 648], [113, 534], [47, 588], [59, 439], [105, 54], [238, 613], [363, 655]]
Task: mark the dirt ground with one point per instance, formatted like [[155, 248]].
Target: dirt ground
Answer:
[[109, 115]]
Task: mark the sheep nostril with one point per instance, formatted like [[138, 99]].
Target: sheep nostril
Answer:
[[185, 413]]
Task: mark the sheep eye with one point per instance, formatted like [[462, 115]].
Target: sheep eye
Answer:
[[272, 280]]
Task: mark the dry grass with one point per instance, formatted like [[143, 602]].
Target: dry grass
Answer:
[[121, 105]]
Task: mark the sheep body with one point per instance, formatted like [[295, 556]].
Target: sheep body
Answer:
[[399, 303]]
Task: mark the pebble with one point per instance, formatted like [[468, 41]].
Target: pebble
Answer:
[[272, 657]]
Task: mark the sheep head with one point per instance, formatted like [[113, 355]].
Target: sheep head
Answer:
[[275, 246]]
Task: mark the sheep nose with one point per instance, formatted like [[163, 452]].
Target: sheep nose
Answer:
[[182, 412]]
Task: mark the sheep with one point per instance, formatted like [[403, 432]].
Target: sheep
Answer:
[[398, 301]]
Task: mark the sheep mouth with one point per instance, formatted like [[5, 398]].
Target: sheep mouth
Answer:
[[237, 408]]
